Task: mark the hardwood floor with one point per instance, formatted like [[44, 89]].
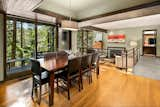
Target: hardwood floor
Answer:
[[112, 89]]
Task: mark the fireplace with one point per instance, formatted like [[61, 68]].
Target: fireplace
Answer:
[[112, 51]]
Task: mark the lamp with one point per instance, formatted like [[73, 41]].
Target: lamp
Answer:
[[69, 24], [133, 43]]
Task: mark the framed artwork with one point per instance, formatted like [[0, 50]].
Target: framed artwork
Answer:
[[119, 38]]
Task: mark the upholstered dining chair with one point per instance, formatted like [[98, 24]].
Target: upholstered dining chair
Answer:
[[40, 76], [86, 67], [95, 63], [71, 73]]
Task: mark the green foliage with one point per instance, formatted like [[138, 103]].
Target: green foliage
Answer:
[[25, 40]]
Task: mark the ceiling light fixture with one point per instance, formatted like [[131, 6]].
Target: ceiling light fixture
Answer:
[[69, 24]]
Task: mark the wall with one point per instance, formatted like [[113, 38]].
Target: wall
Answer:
[[1, 48], [74, 41], [133, 34]]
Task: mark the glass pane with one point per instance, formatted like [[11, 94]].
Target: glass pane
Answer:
[[9, 39], [90, 39], [79, 40], [19, 50], [55, 39], [28, 40], [45, 38]]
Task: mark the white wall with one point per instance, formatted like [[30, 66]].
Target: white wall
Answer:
[[134, 34], [1, 47], [74, 41]]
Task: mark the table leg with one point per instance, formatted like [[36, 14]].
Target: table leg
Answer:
[[97, 70], [51, 89]]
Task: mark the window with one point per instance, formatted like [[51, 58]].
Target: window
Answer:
[[79, 40], [84, 40], [45, 38], [28, 39], [10, 39], [21, 43]]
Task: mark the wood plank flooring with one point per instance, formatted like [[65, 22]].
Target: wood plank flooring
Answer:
[[112, 89]]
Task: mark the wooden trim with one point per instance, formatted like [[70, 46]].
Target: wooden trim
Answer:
[[36, 37], [18, 75], [70, 40], [13, 49], [82, 41], [29, 20], [143, 41], [4, 47], [21, 38], [49, 13], [2, 12], [57, 37], [87, 38], [58, 16], [19, 18], [95, 29], [146, 5]]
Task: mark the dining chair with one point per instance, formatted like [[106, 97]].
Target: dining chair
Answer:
[[40, 76], [86, 67], [95, 63], [71, 73], [61, 60]]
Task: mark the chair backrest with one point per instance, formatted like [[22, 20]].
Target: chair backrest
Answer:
[[74, 65], [86, 60], [50, 56], [95, 58], [62, 59], [35, 68], [91, 50]]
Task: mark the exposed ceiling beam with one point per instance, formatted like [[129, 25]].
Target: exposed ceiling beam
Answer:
[[155, 3], [59, 17], [2, 10], [123, 16], [95, 29]]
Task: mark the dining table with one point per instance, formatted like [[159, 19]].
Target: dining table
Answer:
[[53, 62]]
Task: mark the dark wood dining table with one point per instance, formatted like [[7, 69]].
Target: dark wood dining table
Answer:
[[53, 62]]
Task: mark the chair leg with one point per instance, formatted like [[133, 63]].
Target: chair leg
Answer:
[[97, 71], [91, 76], [40, 91], [88, 77], [49, 92], [68, 86], [33, 84], [57, 86], [79, 82]]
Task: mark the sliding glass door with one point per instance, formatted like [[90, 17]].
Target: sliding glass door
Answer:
[[21, 43]]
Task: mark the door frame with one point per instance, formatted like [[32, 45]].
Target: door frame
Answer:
[[143, 41]]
